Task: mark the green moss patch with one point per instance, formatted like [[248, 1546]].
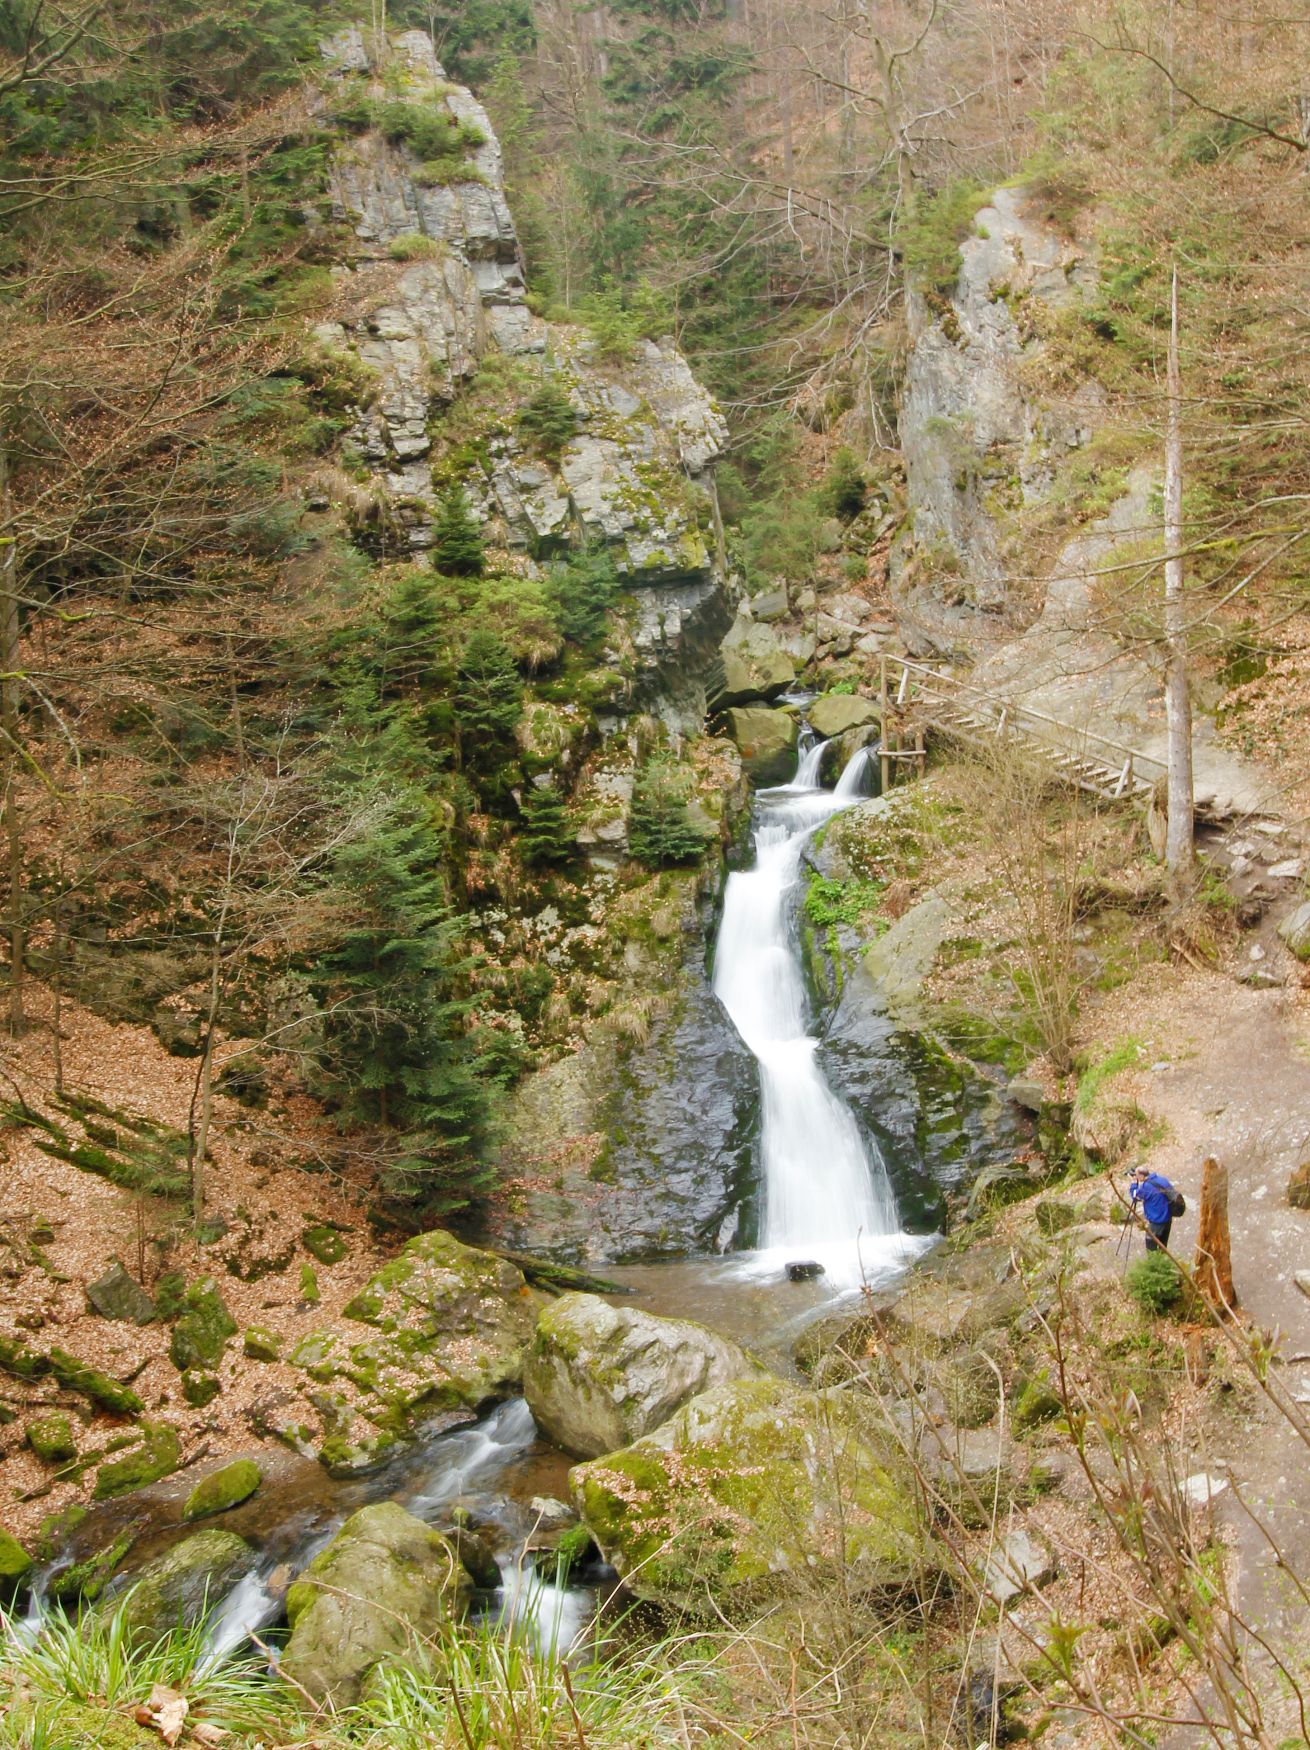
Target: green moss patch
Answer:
[[51, 1438], [156, 1456], [223, 1488], [201, 1333]]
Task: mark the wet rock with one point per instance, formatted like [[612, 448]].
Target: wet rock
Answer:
[[476, 1555], [835, 713], [383, 1585], [804, 1270], [752, 664], [51, 1438], [226, 1487], [115, 1295], [598, 1376], [86, 1577], [1019, 1564], [202, 1331], [176, 1589], [157, 1456], [766, 740], [746, 1483], [15, 1562]]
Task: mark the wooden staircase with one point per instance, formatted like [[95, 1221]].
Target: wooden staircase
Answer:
[[934, 699]]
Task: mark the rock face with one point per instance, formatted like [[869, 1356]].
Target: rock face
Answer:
[[599, 1376], [748, 1482], [766, 740], [436, 286], [384, 1583], [178, 1587], [752, 665]]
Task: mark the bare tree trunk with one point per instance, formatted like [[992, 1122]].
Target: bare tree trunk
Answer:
[[1212, 1270], [9, 656], [1179, 846]]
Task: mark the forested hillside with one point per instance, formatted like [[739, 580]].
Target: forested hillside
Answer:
[[651, 653]]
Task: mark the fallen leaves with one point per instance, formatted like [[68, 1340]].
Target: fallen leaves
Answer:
[[165, 1711]]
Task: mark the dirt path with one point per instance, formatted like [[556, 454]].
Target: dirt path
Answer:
[[1227, 1068]]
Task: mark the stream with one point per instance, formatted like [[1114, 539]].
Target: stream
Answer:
[[825, 1199]]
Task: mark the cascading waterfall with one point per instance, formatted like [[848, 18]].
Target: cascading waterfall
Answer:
[[827, 1195]]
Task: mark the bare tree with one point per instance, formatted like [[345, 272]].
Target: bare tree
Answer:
[[1180, 856]]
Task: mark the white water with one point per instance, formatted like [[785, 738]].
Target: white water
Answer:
[[827, 1196]]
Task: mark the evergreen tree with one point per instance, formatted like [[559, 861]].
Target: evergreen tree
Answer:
[[548, 420], [456, 536], [488, 696], [546, 835], [661, 833], [395, 1052], [581, 590]]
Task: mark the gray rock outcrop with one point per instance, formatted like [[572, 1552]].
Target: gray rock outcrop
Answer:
[[766, 739], [436, 286], [599, 1377]]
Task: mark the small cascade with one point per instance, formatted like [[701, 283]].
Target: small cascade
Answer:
[[809, 756], [827, 1195], [553, 1619], [853, 782]]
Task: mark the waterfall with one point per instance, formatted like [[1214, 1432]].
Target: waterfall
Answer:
[[809, 754], [827, 1195], [850, 785]]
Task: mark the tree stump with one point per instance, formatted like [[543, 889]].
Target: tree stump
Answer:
[[1212, 1270]]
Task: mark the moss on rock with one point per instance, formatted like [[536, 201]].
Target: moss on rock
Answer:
[[200, 1389], [14, 1561], [87, 1579], [383, 1585], [261, 1344], [325, 1242], [226, 1487], [748, 1482], [201, 1332], [52, 1438], [155, 1457], [176, 1589]]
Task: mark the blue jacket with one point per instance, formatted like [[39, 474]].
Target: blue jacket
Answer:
[[1154, 1193]]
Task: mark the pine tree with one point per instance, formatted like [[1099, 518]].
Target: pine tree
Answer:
[[661, 833], [456, 536], [546, 835], [395, 1051], [488, 694]]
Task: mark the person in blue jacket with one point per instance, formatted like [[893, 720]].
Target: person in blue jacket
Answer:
[[1152, 1194]]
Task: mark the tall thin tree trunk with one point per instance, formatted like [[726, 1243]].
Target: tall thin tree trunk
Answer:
[[1179, 853], [1212, 1270], [9, 656]]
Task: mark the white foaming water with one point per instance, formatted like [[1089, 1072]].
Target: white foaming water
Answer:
[[827, 1196], [850, 786], [474, 1455], [809, 756], [551, 1618]]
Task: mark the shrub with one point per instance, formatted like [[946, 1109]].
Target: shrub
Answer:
[[456, 536], [546, 835], [661, 833], [431, 133], [1155, 1283], [932, 233], [413, 246], [548, 420], [845, 489]]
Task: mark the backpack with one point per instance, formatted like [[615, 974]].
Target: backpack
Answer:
[[1177, 1204]]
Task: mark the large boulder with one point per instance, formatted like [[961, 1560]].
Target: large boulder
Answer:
[[450, 1325], [752, 665], [748, 1483], [835, 713], [766, 740], [599, 1376], [383, 1585], [178, 1588], [116, 1295]]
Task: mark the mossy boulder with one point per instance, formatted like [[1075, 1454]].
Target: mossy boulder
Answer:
[[226, 1487], [598, 1377], [383, 1585], [87, 1577], [74, 1375], [200, 1389], [748, 1483], [203, 1328], [752, 664], [14, 1562], [155, 1457], [261, 1344], [450, 1324], [178, 1588], [325, 1242], [766, 741], [52, 1438]]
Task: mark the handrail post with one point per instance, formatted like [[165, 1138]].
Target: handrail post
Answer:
[[884, 764]]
